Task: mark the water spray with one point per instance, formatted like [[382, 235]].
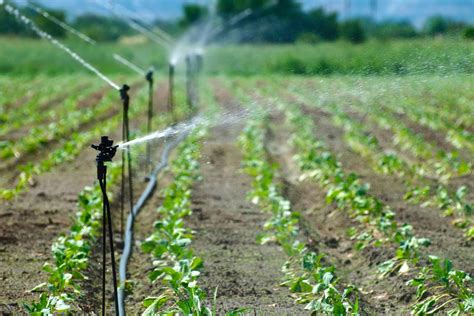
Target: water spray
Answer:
[[130, 65], [106, 153], [125, 156], [13, 11], [62, 24]]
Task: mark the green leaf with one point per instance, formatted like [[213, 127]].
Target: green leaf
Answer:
[[154, 303], [327, 278]]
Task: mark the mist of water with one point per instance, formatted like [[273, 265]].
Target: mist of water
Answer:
[[196, 38], [129, 64], [65, 26], [13, 11], [228, 119]]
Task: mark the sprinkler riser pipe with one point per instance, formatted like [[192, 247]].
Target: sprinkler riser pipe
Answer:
[[171, 103], [189, 81], [126, 135], [149, 78]]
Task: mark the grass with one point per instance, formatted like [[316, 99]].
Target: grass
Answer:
[[419, 56]]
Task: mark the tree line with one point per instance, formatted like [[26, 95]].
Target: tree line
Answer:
[[248, 21]]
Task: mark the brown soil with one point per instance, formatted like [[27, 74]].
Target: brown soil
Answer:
[[31, 223], [427, 222], [9, 167], [226, 225], [325, 227], [244, 273]]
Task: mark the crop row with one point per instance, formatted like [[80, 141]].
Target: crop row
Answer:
[[175, 267], [68, 148], [71, 252], [65, 120], [30, 111], [434, 161], [313, 282], [451, 290], [419, 186]]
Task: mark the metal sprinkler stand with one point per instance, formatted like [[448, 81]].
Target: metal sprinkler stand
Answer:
[[125, 135], [171, 108], [149, 78], [106, 153], [199, 62], [189, 82]]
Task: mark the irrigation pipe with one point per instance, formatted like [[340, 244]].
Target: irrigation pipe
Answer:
[[128, 238]]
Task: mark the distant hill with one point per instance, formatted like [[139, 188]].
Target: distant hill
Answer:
[[414, 10]]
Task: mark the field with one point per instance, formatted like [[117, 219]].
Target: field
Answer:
[[328, 179]]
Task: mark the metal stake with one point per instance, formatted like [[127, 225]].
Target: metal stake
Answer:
[[171, 107], [189, 82], [126, 135], [149, 78]]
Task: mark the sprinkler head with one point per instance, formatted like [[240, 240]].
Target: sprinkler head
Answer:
[[106, 150], [124, 92], [149, 75]]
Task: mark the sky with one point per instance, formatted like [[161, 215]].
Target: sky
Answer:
[[414, 10]]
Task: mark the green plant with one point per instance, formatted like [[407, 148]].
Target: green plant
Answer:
[[439, 287]]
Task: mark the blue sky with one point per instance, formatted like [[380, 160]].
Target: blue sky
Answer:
[[414, 10]]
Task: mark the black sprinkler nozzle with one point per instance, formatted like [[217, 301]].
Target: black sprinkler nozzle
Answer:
[[106, 153], [149, 76], [106, 149], [124, 92]]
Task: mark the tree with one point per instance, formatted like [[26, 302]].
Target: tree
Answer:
[[468, 32], [48, 26], [101, 28], [192, 13], [352, 31], [436, 25], [323, 25], [388, 30], [9, 25], [228, 8]]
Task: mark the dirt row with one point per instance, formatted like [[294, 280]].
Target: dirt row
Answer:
[[30, 223], [226, 225]]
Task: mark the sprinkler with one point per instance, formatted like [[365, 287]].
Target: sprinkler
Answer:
[[126, 135], [106, 153], [190, 81], [199, 62], [171, 108], [198, 65], [149, 78]]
